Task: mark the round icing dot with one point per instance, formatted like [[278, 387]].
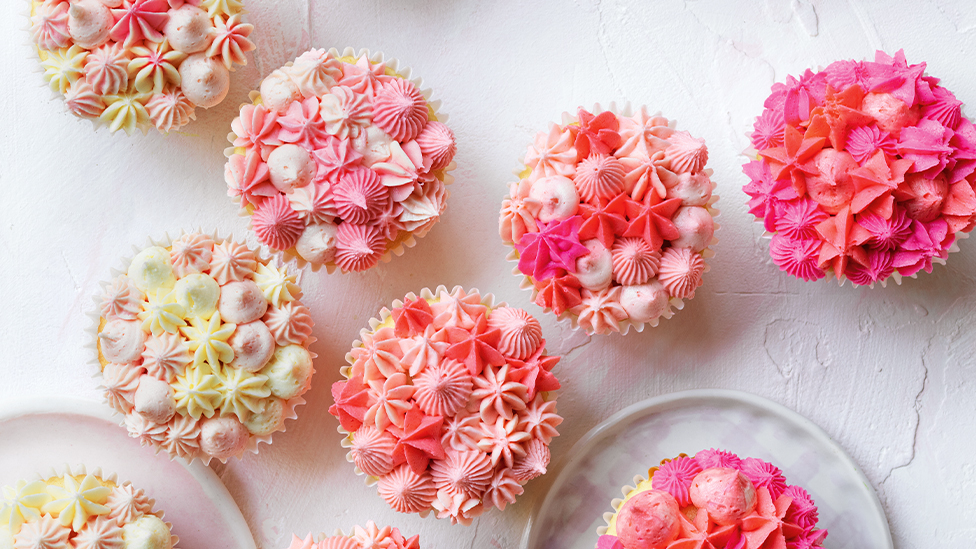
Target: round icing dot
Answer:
[[595, 269], [290, 167], [89, 23], [644, 302], [122, 341], [188, 29], [289, 371], [241, 302], [151, 270], [253, 346], [197, 294], [223, 437], [725, 493], [278, 92], [696, 227], [318, 243], [154, 399], [892, 114], [147, 532], [648, 520], [832, 186], [558, 197], [268, 420], [205, 80], [693, 189]]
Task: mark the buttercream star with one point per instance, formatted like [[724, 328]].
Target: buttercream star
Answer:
[[765, 527], [551, 251], [559, 293], [351, 399], [795, 158], [605, 221], [419, 440], [597, 134], [651, 220], [412, 318], [476, 347], [208, 340], [842, 242], [874, 183], [535, 372]]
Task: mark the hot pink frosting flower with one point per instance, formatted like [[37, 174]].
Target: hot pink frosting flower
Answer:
[[400, 109], [879, 267], [675, 476], [886, 234], [927, 241], [276, 223], [799, 258], [863, 141], [712, 457], [359, 196], [798, 219], [769, 130], [139, 19], [927, 144], [553, 249], [764, 475]]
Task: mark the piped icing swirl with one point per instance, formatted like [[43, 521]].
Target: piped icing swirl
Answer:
[[362, 537]]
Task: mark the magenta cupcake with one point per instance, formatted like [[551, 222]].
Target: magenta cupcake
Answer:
[[341, 161], [864, 171], [361, 537], [612, 219], [448, 403], [137, 64]]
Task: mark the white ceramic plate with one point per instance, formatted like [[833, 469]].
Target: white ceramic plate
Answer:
[[41, 434], [631, 441]]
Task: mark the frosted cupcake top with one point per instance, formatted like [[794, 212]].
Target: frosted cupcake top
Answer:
[[611, 219], [203, 346], [340, 160], [130, 64], [714, 499], [447, 404], [865, 171], [80, 511], [368, 537]]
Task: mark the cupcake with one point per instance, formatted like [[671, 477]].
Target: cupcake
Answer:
[[203, 346], [130, 64], [341, 160], [863, 171], [611, 219], [369, 537], [80, 510], [714, 499], [447, 404]]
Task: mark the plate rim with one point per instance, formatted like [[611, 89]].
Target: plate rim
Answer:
[[697, 396], [208, 480]]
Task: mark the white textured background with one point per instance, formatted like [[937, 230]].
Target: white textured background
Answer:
[[888, 373]]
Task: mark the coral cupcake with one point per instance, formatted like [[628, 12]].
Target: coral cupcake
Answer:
[[447, 403], [714, 499], [130, 64], [203, 346], [80, 510], [611, 219], [341, 160], [368, 537], [865, 171]]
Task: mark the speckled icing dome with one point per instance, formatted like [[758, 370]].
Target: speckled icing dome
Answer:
[[341, 160], [368, 537], [447, 404], [611, 219], [129, 64], [80, 510], [713, 499], [865, 171], [203, 346]]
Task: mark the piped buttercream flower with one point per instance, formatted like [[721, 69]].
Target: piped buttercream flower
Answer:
[[540, 419], [533, 463], [503, 489], [191, 253], [170, 110], [681, 272], [392, 401], [675, 476], [49, 26], [372, 451], [222, 7], [597, 134], [276, 223], [519, 212], [443, 389], [182, 437], [458, 309], [301, 124], [335, 158], [277, 284], [290, 324], [121, 299], [503, 440], [436, 142], [314, 72], [800, 258], [406, 491], [196, 391], [400, 109], [241, 392], [600, 312], [120, 382], [23, 502], [154, 66], [358, 247], [552, 154], [139, 19], [230, 40], [161, 313], [364, 77], [686, 153], [106, 69], [74, 502], [63, 67], [457, 507], [599, 178], [231, 261], [535, 372], [499, 395], [552, 250], [44, 532], [81, 100], [257, 126], [520, 333], [359, 196], [166, 356], [634, 262], [419, 440], [465, 472], [208, 340], [344, 112], [127, 504], [125, 111]]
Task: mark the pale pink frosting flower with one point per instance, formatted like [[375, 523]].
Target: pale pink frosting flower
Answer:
[[107, 69], [230, 40], [552, 154], [681, 272], [290, 324], [49, 26], [372, 537], [100, 533], [231, 261], [443, 389], [248, 177], [314, 72], [503, 441], [462, 432], [302, 125], [307, 543], [392, 401], [687, 154], [334, 542], [364, 77], [148, 432], [519, 212], [634, 261], [464, 472], [127, 504], [166, 356], [503, 489], [423, 351], [191, 253], [520, 332], [314, 203], [459, 508], [458, 309], [400, 171], [533, 463], [120, 382], [43, 533], [406, 491], [437, 143], [420, 210], [276, 223], [256, 127], [335, 158], [400, 109], [643, 135], [182, 437], [121, 299], [81, 100], [372, 451], [170, 110], [601, 311], [499, 396], [358, 247], [345, 112], [599, 177], [379, 357], [540, 419]]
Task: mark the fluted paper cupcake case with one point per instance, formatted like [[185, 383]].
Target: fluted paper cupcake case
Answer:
[[405, 239], [262, 254], [322, 536], [674, 303], [615, 503]]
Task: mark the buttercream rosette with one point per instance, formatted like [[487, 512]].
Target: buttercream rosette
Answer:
[[139, 64], [448, 403], [611, 219], [864, 171], [76, 509], [712, 499], [201, 344], [361, 537], [341, 160]]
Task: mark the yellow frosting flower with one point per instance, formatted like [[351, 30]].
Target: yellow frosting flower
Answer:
[[75, 502], [22, 502], [242, 392], [278, 286], [162, 313], [209, 340], [64, 66], [153, 65], [196, 392], [125, 111], [218, 7]]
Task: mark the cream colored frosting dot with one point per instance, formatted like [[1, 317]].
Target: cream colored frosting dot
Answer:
[[151, 270], [89, 23], [290, 167], [204, 80], [289, 371], [188, 29], [148, 532], [278, 91], [197, 294], [269, 420], [644, 302], [318, 243]]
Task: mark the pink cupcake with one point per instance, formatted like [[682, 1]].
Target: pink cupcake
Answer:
[[447, 404], [202, 346], [368, 537], [341, 160], [611, 219], [864, 171], [137, 64]]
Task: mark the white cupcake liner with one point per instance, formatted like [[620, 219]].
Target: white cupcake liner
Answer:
[[399, 246], [263, 254], [81, 470], [615, 503], [675, 303]]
